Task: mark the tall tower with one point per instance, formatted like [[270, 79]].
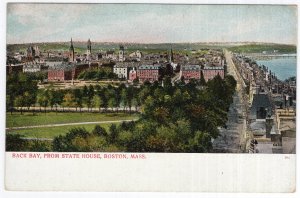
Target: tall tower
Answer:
[[121, 54], [71, 52], [89, 50]]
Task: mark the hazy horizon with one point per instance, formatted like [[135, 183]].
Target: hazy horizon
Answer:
[[139, 43], [151, 23]]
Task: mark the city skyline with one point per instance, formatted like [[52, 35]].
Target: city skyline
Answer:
[[151, 23]]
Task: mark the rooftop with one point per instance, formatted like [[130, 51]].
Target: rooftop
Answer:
[[190, 68], [150, 67]]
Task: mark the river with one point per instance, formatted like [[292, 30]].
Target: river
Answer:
[[284, 67]]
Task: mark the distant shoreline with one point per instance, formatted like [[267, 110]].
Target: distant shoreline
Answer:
[[272, 55]]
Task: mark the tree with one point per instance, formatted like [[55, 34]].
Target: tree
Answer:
[[97, 102], [69, 100], [167, 84], [84, 94], [90, 92], [135, 81], [100, 131], [200, 143], [28, 99], [15, 142], [124, 97], [202, 79], [117, 98], [52, 99], [16, 85], [58, 97], [78, 98], [113, 133], [112, 103], [129, 97], [19, 102], [43, 99], [9, 104], [76, 140]]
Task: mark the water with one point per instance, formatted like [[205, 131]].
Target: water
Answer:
[[283, 67]]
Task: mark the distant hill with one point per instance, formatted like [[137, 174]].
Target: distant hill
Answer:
[[267, 47], [81, 46]]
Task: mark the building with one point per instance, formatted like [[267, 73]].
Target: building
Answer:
[[188, 72], [37, 51], [121, 53], [59, 74], [121, 70], [71, 53], [78, 68], [132, 75], [110, 55], [149, 73], [211, 72], [30, 53], [261, 107], [136, 56], [69, 71], [34, 67]]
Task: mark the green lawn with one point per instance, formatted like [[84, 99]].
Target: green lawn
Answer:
[[27, 119], [51, 132]]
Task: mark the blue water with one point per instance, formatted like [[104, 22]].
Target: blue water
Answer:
[[283, 67]]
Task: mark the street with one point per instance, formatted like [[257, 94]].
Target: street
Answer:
[[232, 139]]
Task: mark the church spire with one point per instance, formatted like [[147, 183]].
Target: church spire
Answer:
[[71, 52], [71, 47]]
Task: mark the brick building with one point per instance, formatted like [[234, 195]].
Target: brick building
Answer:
[[68, 71], [149, 72], [59, 74], [210, 72], [132, 75], [190, 72], [78, 68]]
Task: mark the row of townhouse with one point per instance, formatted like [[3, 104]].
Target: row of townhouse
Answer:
[[63, 72], [132, 71], [153, 72], [188, 72]]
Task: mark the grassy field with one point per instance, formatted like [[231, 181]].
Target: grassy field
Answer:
[[27, 119], [51, 132]]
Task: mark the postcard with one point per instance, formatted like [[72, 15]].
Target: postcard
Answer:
[[151, 97]]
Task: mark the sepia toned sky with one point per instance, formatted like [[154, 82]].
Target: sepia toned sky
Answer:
[[146, 23]]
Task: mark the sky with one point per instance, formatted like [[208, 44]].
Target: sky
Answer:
[[151, 23]]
